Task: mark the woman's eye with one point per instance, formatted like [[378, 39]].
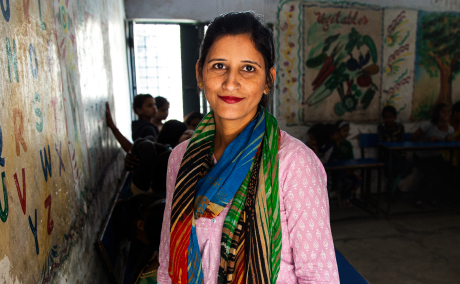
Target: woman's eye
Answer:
[[249, 68], [219, 66]]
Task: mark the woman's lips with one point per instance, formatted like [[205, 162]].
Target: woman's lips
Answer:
[[230, 100]]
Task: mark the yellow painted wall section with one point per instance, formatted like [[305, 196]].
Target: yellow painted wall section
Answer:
[[57, 158]]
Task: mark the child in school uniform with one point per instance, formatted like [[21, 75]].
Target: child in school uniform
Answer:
[[437, 174], [348, 179], [391, 131]]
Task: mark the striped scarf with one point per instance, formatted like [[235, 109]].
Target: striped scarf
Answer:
[[247, 173]]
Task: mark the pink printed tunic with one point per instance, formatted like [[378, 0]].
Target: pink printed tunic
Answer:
[[307, 254]]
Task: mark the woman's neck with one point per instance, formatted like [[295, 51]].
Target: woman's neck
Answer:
[[227, 131]]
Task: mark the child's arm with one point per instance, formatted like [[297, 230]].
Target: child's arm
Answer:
[[125, 143]]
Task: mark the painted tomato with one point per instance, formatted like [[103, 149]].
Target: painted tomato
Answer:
[[364, 81]]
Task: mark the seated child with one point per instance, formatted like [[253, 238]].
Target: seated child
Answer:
[[391, 131], [145, 270], [436, 172], [343, 150]]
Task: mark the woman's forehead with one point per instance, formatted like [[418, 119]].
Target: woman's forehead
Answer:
[[239, 47]]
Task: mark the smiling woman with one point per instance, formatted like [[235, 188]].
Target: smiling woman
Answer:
[[246, 202]]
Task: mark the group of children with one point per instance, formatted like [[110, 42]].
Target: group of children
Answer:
[[329, 142], [439, 171], [139, 218]]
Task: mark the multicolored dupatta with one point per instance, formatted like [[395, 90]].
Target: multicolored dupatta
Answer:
[[247, 172]]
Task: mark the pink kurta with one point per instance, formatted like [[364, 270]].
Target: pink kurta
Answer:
[[307, 254]]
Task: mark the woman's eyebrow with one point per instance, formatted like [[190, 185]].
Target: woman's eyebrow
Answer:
[[216, 59], [252, 62]]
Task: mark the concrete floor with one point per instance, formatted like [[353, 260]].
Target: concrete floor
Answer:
[[418, 248]]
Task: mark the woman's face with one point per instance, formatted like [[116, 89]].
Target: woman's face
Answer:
[[234, 78], [163, 112]]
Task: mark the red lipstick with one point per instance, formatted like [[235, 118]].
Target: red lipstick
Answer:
[[230, 100]]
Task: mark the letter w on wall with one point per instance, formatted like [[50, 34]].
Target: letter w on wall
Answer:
[[46, 166]]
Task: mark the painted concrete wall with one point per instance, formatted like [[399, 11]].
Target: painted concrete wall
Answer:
[[60, 62], [206, 10]]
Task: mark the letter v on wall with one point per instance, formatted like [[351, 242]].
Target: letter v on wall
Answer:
[[22, 197]]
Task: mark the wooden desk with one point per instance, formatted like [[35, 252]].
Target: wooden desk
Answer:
[[366, 165], [417, 146]]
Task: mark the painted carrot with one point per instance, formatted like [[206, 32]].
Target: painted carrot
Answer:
[[325, 67], [324, 77]]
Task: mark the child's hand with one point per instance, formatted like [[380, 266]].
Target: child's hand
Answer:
[[449, 138], [131, 161], [434, 139], [108, 116]]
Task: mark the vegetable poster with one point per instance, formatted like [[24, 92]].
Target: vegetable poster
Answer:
[[342, 49], [399, 38]]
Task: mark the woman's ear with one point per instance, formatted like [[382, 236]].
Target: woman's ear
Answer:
[[273, 76], [199, 78]]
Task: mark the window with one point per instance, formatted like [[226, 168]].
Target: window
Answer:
[[158, 64]]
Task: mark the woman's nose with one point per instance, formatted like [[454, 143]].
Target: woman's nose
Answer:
[[231, 82]]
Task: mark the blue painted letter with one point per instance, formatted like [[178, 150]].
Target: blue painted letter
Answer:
[[32, 69], [46, 166], [4, 213], [34, 230], [6, 12], [2, 160], [12, 59]]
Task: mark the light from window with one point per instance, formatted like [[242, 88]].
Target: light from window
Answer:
[[158, 64]]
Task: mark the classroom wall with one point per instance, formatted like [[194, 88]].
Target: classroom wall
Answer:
[[405, 74], [206, 10], [60, 61]]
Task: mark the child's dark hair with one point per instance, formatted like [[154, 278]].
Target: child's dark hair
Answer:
[[455, 108], [137, 209], [242, 23], [316, 130], [437, 112], [139, 101], [329, 131], [171, 132], [192, 116], [160, 102], [389, 109]]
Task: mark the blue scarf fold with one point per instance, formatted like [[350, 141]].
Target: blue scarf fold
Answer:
[[217, 188]]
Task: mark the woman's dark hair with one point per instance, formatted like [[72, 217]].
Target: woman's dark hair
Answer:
[[455, 108], [171, 131], [437, 112], [139, 101], [240, 23], [160, 102], [192, 116], [390, 109]]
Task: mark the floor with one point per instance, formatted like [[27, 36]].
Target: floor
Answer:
[[406, 248]]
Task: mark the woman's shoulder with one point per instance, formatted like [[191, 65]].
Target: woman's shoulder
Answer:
[[177, 153], [292, 148]]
